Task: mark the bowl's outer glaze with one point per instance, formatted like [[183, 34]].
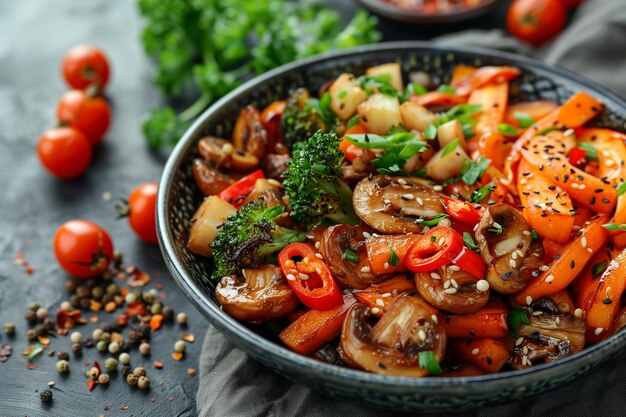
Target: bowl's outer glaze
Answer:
[[178, 199], [390, 11]]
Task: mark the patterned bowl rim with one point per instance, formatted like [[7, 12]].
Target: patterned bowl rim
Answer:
[[241, 335]]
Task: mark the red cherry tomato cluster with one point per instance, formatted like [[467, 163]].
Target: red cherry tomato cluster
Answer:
[[538, 21], [83, 114]]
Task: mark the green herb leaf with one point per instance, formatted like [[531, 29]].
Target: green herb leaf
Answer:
[[393, 258], [381, 82], [534, 234], [496, 229], [469, 242], [479, 195], [592, 153], [598, 269], [621, 189], [434, 221], [524, 120], [353, 121], [350, 256], [446, 89], [548, 130], [410, 89], [508, 130], [428, 361], [468, 130], [342, 94], [472, 171], [450, 147], [516, 317], [462, 112], [35, 352], [612, 227]]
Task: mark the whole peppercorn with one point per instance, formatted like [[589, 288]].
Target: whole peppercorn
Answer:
[[91, 283], [168, 313], [49, 325], [107, 275], [102, 346], [41, 330], [124, 347], [179, 346], [34, 306], [134, 337], [132, 379], [156, 308], [106, 337], [112, 289], [30, 315], [63, 366], [46, 396], [71, 285], [114, 347], [88, 343], [103, 379], [65, 306], [94, 373], [124, 358], [106, 299], [130, 298], [181, 318], [9, 328], [144, 348], [75, 300], [148, 297], [125, 371], [143, 382], [144, 329], [41, 313], [63, 356], [85, 303], [76, 337], [97, 333], [77, 348], [110, 364], [82, 291], [109, 328], [97, 293], [139, 371], [31, 334]]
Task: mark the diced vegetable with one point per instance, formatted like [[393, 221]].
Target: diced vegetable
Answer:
[[346, 94], [449, 132], [416, 117], [210, 215], [393, 69], [379, 113], [443, 166], [487, 354]]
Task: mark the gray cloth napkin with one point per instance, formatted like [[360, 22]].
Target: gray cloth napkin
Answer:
[[232, 384]]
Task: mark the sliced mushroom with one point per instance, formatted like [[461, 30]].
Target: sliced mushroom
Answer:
[[548, 337], [223, 154], [392, 345], [261, 294], [504, 251], [249, 134], [274, 165], [270, 191], [333, 245], [209, 180], [395, 204], [459, 296]]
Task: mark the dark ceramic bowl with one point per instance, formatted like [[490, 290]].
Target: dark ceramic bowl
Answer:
[[392, 12], [178, 199]]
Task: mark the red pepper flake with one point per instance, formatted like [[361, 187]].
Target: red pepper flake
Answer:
[[156, 321], [121, 276], [152, 400], [159, 286], [138, 278], [123, 407], [108, 406], [43, 340], [157, 364], [31, 366], [94, 319], [178, 356], [91, 384], [170, 398], [5, 351], [191, 371], [189, 337], [30, 270], [136, 309], [96, 365], [122, 319]]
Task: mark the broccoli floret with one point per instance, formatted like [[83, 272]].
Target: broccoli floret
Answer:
[[313, 182], [301, 120], [249, 236]]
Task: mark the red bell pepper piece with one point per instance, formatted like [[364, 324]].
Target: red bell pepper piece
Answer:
[[237, 193], [577, 156], [437, 247], [460, 210], [309, 277], [271, 118], [470, 262]]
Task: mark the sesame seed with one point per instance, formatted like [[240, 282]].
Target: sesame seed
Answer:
[[537, 313], [401, 181], [394, 292], [446, 285], [514, 255], [527, 232], [529, 300], [303, 277], [385, 295], [497, 225], [438, 188], [583, 241], [407, 197], [544, 268], [442, 241], [454, 268], [520, 253], [524, 359], [609, 162], [319, 255], [291, 277], [366, 269], [421, 334], [512, 263], [434, 319], [519, 341], [523, 181], [482, 285], [387, 201], [380, 302], [366, 235], [454, 283], [419, 201], [528, 362], [450, 291], [598, 331], [525, 350], [578, 313], [317, 245], [549, 278], [435, 275], [386, 265], [589, 250], [475, 351], [375, 310]]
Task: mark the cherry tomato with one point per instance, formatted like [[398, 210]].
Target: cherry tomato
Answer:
[[85, 65], [65, 152], [83, 249], [142, 211], [535, 21], [91, 115]]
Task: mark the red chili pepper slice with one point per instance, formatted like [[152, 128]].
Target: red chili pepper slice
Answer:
[[271, 118], [437, 247], [471, 262], [318, 290], [460, 210], [236, 193], [577, 156]]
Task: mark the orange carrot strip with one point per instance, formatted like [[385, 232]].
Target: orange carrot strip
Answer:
[[493, 99], [379, 252], [585, 285], [435, 98], [491, 321], [400, 283], [607, 298], [483, 76], [488, 354], [460, 72], [547, 210], [571, 261], [534, 109]]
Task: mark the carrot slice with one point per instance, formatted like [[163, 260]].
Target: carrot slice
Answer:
[[435, 98], [548, 155], [379, 252], [551, 249], [491, 321], [493, 99], [575, 112], [400, 283], [569, 264], [460, 72], [585, 286], [607, 298], [547, 209], [483, 76], [489, 355], [315, 328], [536, 110]]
